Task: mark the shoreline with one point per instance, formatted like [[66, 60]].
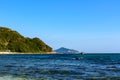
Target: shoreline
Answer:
[[27, 53]]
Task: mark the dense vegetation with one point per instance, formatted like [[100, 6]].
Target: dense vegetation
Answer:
[[13, 41]]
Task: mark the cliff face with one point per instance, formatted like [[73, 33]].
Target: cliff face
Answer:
[[15, 42]]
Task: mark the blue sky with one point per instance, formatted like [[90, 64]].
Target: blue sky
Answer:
[[84, 25]]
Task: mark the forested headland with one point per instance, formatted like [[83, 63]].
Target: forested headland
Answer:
[[13, 41]]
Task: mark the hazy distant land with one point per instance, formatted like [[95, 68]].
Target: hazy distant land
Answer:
[[63, 50]]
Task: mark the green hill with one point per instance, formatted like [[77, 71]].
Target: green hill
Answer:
[[15, 42]]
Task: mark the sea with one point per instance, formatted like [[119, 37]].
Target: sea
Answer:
[[89, 66]]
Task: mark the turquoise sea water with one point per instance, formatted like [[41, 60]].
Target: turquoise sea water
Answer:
[[60, 67]]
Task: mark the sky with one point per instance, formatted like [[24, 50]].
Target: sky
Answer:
[[83, 25]]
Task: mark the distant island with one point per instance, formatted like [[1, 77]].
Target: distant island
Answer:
[[12, 41], [63, 50]]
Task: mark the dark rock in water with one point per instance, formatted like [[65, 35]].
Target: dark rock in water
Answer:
[[82, 52], [63, 50], [81, 58]]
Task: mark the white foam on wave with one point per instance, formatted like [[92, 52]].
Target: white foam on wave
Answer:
[[9, 77]]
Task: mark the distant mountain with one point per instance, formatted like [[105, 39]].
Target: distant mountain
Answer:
[[63, 50], [11, 40]]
